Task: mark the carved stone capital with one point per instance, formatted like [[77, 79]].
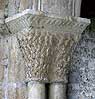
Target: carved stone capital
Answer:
[[46, 43]]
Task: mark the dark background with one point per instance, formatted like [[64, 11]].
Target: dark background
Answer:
[[88, 9]]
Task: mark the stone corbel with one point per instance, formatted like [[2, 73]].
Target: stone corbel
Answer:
[[45, 43]]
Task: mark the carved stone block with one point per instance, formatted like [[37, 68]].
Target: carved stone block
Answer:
[[45, 43], [46, 54]]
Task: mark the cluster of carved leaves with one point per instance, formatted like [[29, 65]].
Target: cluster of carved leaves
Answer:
[[46, 55]]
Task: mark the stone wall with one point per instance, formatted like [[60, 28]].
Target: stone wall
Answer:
[[12, 76], [51, 7], [82, 75]]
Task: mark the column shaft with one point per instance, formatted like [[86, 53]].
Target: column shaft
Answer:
[[57, 91], [36, 90]]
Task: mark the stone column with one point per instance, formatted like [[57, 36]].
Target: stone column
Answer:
[[36, 90], [57, 91], [45, 43]]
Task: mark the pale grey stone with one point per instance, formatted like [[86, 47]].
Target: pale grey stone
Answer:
[[17, 93], [51, 7], [57, 91], [83, 63], [1, 60], [53, 24], [1, 93], [36, 90], [16, 70], [2, 8]]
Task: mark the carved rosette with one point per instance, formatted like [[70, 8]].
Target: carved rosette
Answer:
[[45, 43]]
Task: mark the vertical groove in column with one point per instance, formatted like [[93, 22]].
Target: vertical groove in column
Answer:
[[36, 90], [57, 91]]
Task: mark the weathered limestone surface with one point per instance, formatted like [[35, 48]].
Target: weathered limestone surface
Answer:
[[51, 7], [17, 93], [16, 70], [12, 7], [82, 74], [62, 7], [37, 44], [57, 91], [12, 73], [36, 90], [26, 4], [43, 56], [1, 93], [45, 43], [2, 8], [1, 60], [11, 58]]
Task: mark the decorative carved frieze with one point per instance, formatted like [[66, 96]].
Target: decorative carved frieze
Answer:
[[29, 19]]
